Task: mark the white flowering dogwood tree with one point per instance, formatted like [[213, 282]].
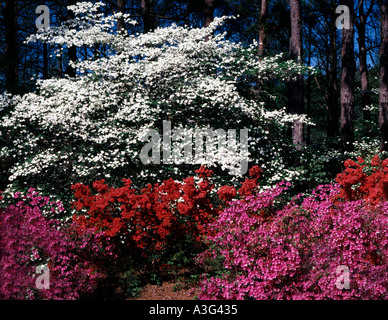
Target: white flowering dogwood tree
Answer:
[[92, 126]]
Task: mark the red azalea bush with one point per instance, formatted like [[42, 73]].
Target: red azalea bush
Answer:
[[294, 253], [156, 216], [28, 239], [146, 218], [357, 184]]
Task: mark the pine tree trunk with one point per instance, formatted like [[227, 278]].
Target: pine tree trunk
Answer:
[[365, 94], [261, 45], [347, 83], [308, 93], [208, 12], [45, 61], [332, 93], [120, 8], [72, 51], [383, 96], [296, 103], [262, 23], [11, 49], [148, 14]]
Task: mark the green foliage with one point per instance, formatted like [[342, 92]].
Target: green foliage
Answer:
[[130, 283]]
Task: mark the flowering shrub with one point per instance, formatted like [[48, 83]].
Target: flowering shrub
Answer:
[[293, 252], [156, 215], [357, 184], [29, 238], [147, 222], [266, 250], [91, 126], [146, 218]]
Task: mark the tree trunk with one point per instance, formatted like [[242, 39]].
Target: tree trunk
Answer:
[[261, 46], [332, 92], [347, 82], [262, 23], [147, 9], [120, 8], [383, 96], [296, 103], [11, 48], [45, 60], [365, 93], [308, 93], [72, 51], [208, 12]]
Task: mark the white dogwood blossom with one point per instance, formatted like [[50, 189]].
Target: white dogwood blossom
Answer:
[[91, 126]]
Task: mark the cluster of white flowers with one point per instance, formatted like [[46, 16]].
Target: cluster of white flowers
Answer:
[[7, 100], [91, 126]]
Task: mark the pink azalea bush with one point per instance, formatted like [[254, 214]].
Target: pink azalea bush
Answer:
[[269, 251], [29, 237]]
